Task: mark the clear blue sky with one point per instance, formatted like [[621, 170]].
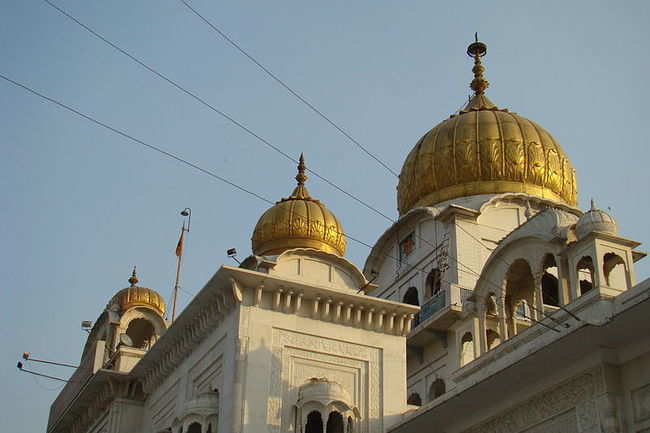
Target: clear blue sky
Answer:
[[83, 205]]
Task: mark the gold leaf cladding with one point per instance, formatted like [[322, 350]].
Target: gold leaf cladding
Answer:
[[554, 170], [285, 226], [515, 160], [481, 151], [491, 161], [536, 163]]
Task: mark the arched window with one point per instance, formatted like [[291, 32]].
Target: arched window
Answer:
[[142, 333], [433, 283], [195, 427], [585, 270], [411, 296], [550, 286], [492, 338], [314, 422], [335, 423], [436, 389], [614, 271], [350, 425], [466, 349], [522, 310], [414, 399], [520, 287], [491, 305]]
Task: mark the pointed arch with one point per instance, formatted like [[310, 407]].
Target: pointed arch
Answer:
[[411, 296], [314, 422]]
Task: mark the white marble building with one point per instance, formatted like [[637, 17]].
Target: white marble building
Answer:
[[492, 305]]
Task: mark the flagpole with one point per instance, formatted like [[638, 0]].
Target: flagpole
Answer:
[[179, 258]]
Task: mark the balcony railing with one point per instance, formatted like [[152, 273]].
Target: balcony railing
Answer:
[[432, 306], [453, 295]]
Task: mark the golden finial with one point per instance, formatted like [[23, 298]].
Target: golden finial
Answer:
[[300, 191], [477, 50], [133, 279], [301, 177]]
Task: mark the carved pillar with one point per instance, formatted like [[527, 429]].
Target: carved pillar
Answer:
[[339, 307], [299, 301], [538, 297], [563, 281], [503, 323], [287, 300], [348, 313], [316, 302], [482, 328], [407, 324], [328, 303], [278, 297], [369, 318], [241, 347], [380, 319], [359, 312]]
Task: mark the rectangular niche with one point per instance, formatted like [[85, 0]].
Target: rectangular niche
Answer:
[[298, 357]]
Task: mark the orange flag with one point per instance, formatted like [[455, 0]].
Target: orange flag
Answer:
[[179, 247]]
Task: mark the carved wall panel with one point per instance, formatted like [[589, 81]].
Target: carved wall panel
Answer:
[[205, 374], [298, 357], [570, 407], [163, 409], [563, 423], [641, 403]]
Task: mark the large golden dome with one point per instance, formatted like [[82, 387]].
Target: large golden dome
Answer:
[[136, 296], [484, 150], [298, 221]]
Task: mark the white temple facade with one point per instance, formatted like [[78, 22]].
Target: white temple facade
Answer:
[[493, 304]]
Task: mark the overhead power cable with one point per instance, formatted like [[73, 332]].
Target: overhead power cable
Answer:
[[175, 157], [130, 137], [227, 117], [211, 107], [288, 88]]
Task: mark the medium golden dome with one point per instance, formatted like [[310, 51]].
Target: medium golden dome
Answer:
[[298, 221], [136, 296], [484, 150]]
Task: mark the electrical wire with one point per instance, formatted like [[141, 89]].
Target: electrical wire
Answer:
[[43, 387], [238, 124], [130, 137], [213, 108], [153, 147], [183, 161], [302, 99], [227, 117]]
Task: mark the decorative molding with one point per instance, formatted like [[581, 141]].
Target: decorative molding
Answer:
[[172, 350], [641, 403], [294, 352], [578, 395]]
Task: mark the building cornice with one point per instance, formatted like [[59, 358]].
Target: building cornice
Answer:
[[344, 307], [204, 313]]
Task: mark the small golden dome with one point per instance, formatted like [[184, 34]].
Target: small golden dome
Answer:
[[298, 221], [484, 150], [136, 296]]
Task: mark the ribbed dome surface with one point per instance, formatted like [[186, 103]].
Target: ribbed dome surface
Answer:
[[136, 296], [298, 221], [481, 150], [596, 220]]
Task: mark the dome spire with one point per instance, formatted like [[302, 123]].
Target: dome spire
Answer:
[[133, 279], [300, 191], [477, 50]]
